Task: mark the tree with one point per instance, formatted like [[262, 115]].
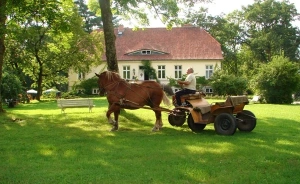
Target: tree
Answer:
[[52, 44], [277, 80], [91, 20], [3, 7], [46, 19], [249, 65], [15, 59], [109, 35], [270, 29], [227, 30]]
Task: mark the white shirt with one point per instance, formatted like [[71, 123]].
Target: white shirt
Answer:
[[192, 79]]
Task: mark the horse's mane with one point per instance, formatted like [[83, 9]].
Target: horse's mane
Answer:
[[110, 74], [114, 76]]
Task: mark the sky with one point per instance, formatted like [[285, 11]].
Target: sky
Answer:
[[220, 6]]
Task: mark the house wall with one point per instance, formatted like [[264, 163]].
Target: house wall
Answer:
[[199, 69]]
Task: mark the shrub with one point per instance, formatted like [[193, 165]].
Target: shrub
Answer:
[[277, 80], [69, 95], [225, 84], [88, 85], [11, 87]]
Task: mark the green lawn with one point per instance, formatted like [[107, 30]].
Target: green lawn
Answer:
[[38, 144]]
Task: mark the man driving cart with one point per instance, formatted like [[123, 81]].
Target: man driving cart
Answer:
[[188, 86]]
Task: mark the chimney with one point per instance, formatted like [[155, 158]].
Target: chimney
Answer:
[[121, 29]]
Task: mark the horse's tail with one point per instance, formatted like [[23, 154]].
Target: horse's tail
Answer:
[[166, 100]]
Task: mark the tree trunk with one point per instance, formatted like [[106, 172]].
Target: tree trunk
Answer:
[[109, 36], [40, 78], [39, 84], [2, 46]]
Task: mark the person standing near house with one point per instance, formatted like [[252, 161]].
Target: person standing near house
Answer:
[[188, 85]]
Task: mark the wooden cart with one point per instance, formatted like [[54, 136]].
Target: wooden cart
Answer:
[[227, 116]]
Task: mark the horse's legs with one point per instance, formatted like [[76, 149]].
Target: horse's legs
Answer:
[[158, 123], [116, 110], [116, 121], [109, 111]]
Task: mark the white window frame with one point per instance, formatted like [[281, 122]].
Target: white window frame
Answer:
[[209, 70], [208, 90], [95, 91], [178, 71], [126, 72], [145, 52], [161, 71], [80, 76]]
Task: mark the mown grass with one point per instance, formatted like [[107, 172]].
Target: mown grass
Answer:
[[38, 144]]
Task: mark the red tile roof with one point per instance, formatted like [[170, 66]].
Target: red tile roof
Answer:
[[179, 43]]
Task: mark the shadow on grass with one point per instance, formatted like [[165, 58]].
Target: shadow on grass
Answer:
[[50, 105], [68, 148]]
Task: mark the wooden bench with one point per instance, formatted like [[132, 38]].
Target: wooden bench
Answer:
[[75, 103]]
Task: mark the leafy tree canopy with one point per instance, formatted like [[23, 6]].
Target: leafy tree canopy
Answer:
[[165, 10], [50, 44], [270, 29]]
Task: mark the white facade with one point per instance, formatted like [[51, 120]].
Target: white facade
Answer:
[[131, 70]]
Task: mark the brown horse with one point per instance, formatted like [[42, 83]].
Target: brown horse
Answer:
[[121, 94]]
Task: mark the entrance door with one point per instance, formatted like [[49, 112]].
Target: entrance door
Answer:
[[141, 75]]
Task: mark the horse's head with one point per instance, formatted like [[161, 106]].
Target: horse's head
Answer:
[[107, 78], [100, 85]]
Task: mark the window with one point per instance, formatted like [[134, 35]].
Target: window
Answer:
[[208, 90], [95, 91], [208, 71], [161, 71], [126, 72], [81, 76], [178, 71], [146, 52]]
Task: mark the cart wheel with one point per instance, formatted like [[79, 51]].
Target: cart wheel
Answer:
[[195, 127], [225, 124], [246, 121], [177, 119]]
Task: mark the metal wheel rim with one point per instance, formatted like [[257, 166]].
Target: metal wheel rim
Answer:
[[225, 124]]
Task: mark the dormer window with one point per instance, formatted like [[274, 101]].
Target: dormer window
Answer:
[[145, 52]]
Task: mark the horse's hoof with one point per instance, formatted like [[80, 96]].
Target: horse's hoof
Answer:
[[154, 129], [114, 128], [111, 122]]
